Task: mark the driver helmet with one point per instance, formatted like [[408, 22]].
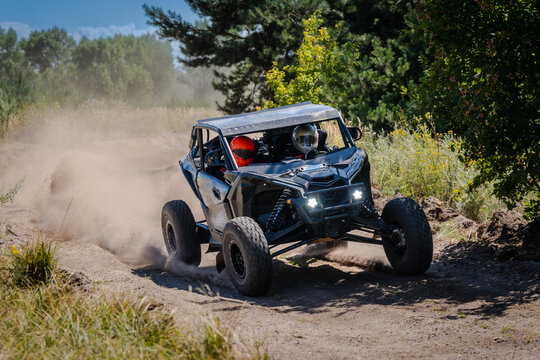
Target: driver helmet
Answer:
[[243, 149], [305, 138]]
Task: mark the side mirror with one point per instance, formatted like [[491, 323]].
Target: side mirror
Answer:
[[355, 132]]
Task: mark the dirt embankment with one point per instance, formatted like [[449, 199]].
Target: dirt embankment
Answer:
[[102, 194]]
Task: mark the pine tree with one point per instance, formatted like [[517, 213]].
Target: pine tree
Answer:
[[249, 36]]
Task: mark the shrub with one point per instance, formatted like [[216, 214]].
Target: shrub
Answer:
[[34, 264], [418, 165], [482, 83], [361, 77], [15, 97]]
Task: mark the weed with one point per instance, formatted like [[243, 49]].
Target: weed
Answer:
[[484, 325], [216, 342], [34, 264], [9, 196], [450, 232], [509, 330]]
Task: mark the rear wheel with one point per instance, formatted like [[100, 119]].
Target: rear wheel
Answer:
[[410, 248], [247, 258], [179, 232]]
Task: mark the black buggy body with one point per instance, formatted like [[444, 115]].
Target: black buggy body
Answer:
[[284, 199]]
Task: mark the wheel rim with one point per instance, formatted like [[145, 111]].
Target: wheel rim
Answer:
[[171, 239], [237, 260], [399, 240]]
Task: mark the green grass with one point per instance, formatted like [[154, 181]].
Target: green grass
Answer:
[[51, 320], [33, 265], [449, 231], [419, 165]]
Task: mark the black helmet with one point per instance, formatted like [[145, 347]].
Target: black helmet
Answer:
[[305, 138]]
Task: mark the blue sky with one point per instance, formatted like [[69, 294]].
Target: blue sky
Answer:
[[95, 18]]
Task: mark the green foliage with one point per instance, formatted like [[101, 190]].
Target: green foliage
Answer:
[[419, 165], [12, 61], [318, 58], [33, 265], [369, 87], [48, 49], [12, 101], [249, 36], [362, 77], [245, 35], [123, 67], [50, 67], [15, 89], [483, 84]]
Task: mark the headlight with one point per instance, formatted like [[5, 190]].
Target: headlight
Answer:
[[312, 202], [357, 195]]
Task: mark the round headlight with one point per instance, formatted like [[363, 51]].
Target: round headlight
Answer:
[[312, 202], [357, 195]]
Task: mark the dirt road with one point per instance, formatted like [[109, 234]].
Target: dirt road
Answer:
[[103, 196]]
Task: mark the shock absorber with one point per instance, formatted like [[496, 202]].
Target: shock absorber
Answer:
[[276, 219]]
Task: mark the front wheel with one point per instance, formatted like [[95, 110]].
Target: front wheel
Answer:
[[246, 255], [410, 248]]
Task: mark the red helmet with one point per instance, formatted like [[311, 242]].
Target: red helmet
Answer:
[[243, 149]]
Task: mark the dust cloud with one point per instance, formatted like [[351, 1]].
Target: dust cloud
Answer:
[[367, 256], [95, 177], [155, 258], [363, 255]]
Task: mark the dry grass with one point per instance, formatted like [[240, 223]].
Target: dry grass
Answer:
[[8, 195], [52, 320], [419, 165], [110, 119]]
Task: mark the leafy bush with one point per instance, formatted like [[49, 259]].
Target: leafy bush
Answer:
[[418, 165], [483, 85], [123, 67], [362, 77], [318, 58], [14, 98]]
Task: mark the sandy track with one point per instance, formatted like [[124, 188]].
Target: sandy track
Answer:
[[105, 196]]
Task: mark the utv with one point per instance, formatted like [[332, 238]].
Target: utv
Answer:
[[286, 197]]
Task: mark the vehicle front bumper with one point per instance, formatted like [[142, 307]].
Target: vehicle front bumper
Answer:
[[315, 206]]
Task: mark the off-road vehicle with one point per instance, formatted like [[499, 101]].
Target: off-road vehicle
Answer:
[[285, 198]]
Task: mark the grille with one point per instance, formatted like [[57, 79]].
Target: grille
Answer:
[[330, 198]]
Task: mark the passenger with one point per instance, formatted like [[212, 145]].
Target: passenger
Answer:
[[244, 150]]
